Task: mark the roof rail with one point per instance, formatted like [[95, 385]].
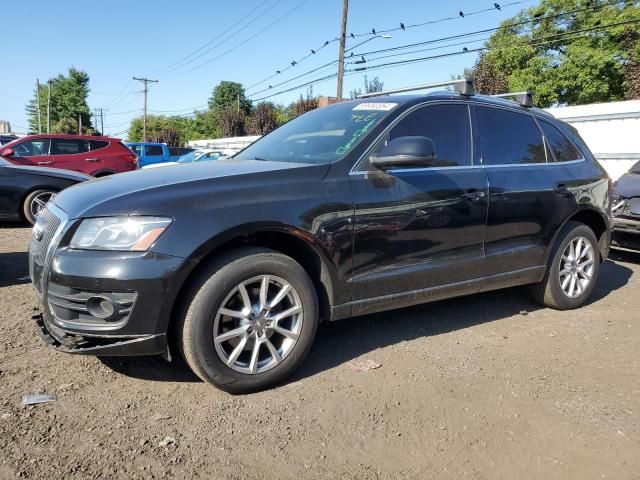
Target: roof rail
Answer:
[[463, 86], [523, 98]]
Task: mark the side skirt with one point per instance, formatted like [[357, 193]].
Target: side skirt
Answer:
[[432, 294]]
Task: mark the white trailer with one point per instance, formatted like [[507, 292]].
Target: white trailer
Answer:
[[234, 144], [611, 130]]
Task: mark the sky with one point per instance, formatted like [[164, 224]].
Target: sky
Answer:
[[190, 46]]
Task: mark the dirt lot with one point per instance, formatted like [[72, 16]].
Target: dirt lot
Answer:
[[489, 386]]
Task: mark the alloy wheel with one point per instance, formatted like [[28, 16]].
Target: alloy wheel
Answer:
[[258, 324], [39, 202], [576, 267]]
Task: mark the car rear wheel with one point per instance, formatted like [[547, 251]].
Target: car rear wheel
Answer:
[[35, 202], [250, 320], [572, 271]]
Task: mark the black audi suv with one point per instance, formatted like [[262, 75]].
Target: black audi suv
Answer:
[[358, 207]]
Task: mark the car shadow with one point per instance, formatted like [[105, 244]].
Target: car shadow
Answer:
[[339, 342], [14, 268]]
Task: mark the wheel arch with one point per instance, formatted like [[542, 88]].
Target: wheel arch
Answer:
[[32, 188], [595, 220], [290, 241]]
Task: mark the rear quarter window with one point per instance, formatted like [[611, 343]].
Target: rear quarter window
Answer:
[[97, 144], [563, 149]]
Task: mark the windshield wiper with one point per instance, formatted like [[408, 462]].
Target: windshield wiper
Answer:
[[261, 159]]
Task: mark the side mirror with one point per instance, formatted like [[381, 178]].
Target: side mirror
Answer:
[[7, 153], [412, 151]]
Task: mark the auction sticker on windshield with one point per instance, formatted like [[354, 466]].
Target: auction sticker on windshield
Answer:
[[384, 106]]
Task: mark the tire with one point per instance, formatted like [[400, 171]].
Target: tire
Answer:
[[550, 291], [34, 202], [217, 291]]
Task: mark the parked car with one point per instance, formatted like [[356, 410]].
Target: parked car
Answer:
[[179, 151], [6, 138], [626, 210], [196, 156], [96, 156], [354, 208], [152, 153], [24, 191]]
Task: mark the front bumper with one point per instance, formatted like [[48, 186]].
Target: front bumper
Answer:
[[142, 286], [626, 233]]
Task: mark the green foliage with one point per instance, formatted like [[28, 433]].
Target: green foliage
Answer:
[[263, 119], [302, 105], [561, 65], [372, 86], [68, 102], [229, 95], [174, 131]]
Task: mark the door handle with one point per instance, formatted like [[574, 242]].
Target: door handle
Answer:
[[92, 159], [45, 163], [473, 195]]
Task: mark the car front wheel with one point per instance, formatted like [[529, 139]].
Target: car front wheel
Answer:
[[250, 320]]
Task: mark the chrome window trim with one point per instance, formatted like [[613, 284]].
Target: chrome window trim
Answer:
[[555, 160], [535, 116]]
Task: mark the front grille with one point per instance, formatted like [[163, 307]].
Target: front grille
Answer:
[[44, 232], [51, 225]]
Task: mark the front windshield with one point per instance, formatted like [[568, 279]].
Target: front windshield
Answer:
[[635, 168], [189, 157], [321, 136]]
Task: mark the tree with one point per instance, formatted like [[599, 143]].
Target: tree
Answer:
[[68, 101], [373, 86], [229, 95], [263, 119], [303, 105], [174, 131], [549, 53], [231, 122], [487, 78]]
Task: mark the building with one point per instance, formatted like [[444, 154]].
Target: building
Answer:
[[231, 143], [5, 126], [611, 130]]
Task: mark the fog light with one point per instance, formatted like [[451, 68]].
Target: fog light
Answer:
[[102, 307]]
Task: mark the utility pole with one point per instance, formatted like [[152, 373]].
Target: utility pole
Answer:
[[95, 114], [343, 35], [38, 105], [49, 108], [79, 124], [146, 82]]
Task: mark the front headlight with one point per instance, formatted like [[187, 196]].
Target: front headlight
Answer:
[[132, 234]]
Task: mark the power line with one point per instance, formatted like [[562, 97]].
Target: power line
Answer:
[[403, 27], [463, 35], [233, 25], [450, 54], [226, 52]]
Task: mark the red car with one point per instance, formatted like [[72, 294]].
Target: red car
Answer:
[[97, 156]]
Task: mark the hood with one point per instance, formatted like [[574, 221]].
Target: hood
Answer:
[[157, 189], [52, 172], [628, 185]]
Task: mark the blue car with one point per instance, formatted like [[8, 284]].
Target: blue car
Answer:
[[150, 153]]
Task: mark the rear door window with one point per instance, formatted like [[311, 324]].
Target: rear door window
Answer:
[[508, 138], [32, 148], [153, 151], [63, 146], [97, 144], [562, 148]]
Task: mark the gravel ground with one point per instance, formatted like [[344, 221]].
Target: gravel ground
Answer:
[[488, 386]]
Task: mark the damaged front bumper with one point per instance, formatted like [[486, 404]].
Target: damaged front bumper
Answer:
[[100, 345]]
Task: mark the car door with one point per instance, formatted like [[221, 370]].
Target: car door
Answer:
[[10, 191], [421, 227], [74, 154], [528, 196], [34, 151]]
